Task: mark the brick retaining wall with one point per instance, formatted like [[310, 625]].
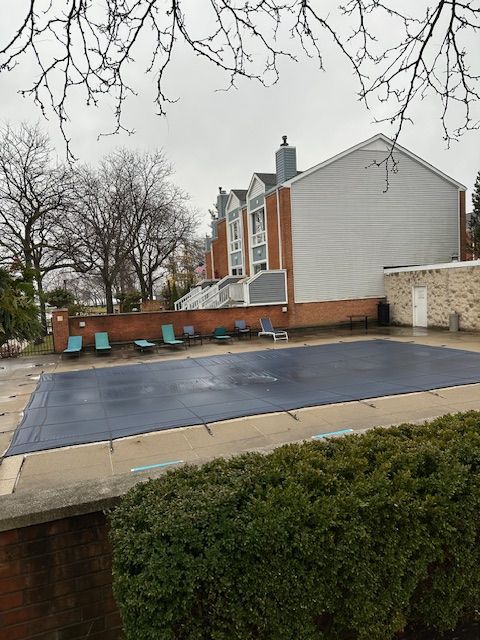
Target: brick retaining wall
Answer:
[[126, 327], [56, 582]]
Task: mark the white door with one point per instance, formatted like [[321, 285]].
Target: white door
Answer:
[[420, 306]]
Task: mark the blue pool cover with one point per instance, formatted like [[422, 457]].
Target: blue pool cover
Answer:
[[102, 404]]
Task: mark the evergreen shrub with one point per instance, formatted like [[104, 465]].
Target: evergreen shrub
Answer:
[[351, 539]]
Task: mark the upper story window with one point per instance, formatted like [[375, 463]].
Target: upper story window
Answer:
[[235, 236], [258, 227]]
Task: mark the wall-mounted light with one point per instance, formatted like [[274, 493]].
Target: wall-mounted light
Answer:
[[81, 324]]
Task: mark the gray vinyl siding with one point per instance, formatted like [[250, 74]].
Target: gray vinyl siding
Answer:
[[346, 229], [256, 192], [233, 215], [268, 288]]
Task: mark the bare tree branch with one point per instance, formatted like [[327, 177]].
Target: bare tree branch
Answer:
[[87, 45]]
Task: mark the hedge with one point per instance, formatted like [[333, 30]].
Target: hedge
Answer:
[[353, 538]]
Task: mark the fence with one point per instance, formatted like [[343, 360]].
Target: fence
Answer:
[[39, 347]]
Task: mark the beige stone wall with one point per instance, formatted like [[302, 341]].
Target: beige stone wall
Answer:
[[449, 290]]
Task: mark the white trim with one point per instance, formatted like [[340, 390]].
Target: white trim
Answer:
[[241, 266], [213, 261], [430, 267], [360, 145], [280, 247], [251, 261]]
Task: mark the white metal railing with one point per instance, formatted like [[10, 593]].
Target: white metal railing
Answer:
[[182, 303]]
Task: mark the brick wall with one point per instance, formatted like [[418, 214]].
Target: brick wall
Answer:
[[272, 231], [55, 581], [126, 327], [60, 328], [219, 246]]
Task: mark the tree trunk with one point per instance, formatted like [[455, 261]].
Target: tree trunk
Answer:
[[109, 296]]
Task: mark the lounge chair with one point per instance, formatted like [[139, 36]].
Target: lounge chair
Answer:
[[241, 329], [102, 344], [169, 336], [268, 330], [189, 333], [74, 346], [144, 345], [220, 334]]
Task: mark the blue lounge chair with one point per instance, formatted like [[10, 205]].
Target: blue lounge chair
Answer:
[[144, 345], [268, 330], [102, 344], [74, 346], [169, 336], [220, 334], [190, 334], [241, 329]]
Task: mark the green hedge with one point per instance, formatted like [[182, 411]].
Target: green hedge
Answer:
[[353, 538]]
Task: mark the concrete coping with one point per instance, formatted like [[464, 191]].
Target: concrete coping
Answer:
[[28, 508]]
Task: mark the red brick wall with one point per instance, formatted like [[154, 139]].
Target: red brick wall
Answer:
[[208, 265], [220, 257], [60, 328], [55, 581], [125, 327], [272, 231]]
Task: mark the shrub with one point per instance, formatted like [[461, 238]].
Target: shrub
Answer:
[[353, 538]]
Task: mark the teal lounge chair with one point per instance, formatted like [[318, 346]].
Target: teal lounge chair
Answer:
[[74, 346], [169, 336], [144, 345], [220, 334], [102, 345]]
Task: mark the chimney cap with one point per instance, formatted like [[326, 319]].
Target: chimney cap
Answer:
[[284, 143]]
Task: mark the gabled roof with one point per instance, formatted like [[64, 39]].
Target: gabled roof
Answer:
[[384, 139], [268, 179], [241, 194]]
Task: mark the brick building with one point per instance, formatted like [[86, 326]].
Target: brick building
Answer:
[[326, 234]]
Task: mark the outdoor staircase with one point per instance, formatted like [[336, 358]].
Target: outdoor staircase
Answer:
[[265, 287]]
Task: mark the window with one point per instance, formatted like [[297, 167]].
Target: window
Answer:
[[235, 236], [260, 266], [258, 227], [237, 271]]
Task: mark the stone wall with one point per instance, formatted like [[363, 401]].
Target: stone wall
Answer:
[[450, 288]]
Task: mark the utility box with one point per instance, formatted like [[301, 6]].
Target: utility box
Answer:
[[383, 313], [453, 321]]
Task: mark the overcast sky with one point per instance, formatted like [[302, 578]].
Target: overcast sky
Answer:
[[217, 138]]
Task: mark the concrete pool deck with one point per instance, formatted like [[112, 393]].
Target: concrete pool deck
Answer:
[[74, 464]]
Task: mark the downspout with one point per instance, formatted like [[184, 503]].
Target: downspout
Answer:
[[213, 262]]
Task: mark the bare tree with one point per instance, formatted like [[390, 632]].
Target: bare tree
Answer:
[[400, 52], [35, 193], [165, 221], [99, 235]]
